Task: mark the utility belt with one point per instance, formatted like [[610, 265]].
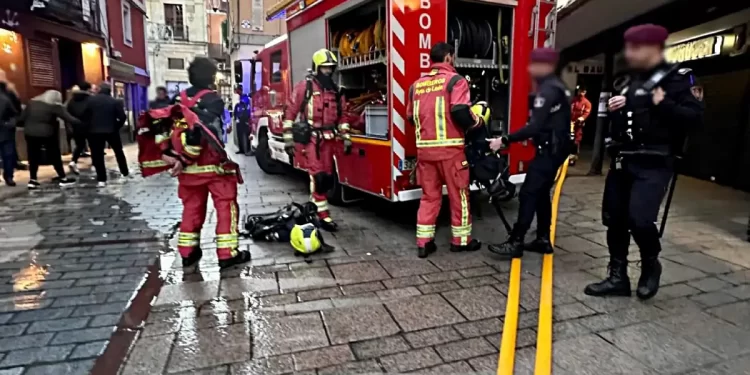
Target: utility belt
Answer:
[[550, 145], [621, 153], [303, 133]]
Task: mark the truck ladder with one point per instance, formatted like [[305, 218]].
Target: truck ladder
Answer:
[[550, 22]]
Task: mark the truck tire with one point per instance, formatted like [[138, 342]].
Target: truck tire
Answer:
[[263, 155], [335, 196]]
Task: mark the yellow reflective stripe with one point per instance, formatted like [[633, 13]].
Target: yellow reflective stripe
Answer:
[[344, 127], [288, 136], [440, 125], [188, 235], [310, 109], [441, 143], [322, 205], [188, 239], [153, 164], [346, 136], [198, 169], [159, 138], [425, 231], [233, 227], [416, 121], [288, 124], [465, 218], [190, 150]]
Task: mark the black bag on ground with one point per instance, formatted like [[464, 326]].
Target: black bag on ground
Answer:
[[277, 226]]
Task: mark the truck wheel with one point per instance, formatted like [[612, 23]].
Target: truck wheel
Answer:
[[335, 196], [263, 156]]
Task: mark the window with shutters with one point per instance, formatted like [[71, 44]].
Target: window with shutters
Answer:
[[42, 67], [175, 64], [127, 25], [173, 17]]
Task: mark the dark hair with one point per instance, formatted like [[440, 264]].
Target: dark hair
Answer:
[[161, 88], [84, 86], [439, 51], [202, 72]]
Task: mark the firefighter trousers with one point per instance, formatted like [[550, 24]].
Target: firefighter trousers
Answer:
[[319, 164], [223, 191], [432, 175]]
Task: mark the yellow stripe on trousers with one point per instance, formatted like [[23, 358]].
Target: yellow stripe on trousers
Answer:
[[544, 331]]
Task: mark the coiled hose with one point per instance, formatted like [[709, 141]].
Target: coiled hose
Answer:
[[473, 37]]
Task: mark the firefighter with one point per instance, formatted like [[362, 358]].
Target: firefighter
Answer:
[[202, 169], [549, 128], [318, 102], [650, 119], [580, 111], [439, 108]]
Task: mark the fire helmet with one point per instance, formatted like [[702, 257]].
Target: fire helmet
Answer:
[[481, 110], [323, 57], [304, 238]]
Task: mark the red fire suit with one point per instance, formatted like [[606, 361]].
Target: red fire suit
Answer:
[[207, 170], [440, 153], [580, 109], [323, 113]]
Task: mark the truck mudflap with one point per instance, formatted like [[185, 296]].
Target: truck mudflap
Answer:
[[414, 194]]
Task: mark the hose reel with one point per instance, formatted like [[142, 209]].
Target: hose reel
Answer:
[[473, 38]]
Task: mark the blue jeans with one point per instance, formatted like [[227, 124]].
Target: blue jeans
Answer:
[[8, 153]]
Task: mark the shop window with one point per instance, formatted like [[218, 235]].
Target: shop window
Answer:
[[276, 67], [127, 25], [175, 64], [258, 79], [173, 17]]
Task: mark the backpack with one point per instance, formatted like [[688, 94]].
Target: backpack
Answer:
[[302, 131], [277, 226]]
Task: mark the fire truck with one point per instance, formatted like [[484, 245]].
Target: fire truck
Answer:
[[383, 47]]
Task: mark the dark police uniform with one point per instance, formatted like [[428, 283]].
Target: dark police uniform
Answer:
[[549, 128], [645, 139]]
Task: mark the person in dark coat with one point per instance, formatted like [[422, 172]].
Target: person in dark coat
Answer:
[[40, 121], [76, 106], [10, 108], [103, 117], [162, 99]]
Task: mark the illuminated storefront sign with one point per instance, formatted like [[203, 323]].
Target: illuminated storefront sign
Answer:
[[698, 49]]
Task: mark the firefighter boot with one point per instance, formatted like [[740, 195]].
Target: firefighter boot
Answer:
[[512, 248], [241, 257], [193, 258], [428, 249], [328, 225], [616, 284], [473, 245], [648, 283], [541, 245]]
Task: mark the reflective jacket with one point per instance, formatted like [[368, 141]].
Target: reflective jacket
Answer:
[[322, 110], [580, 109], [429, 108]]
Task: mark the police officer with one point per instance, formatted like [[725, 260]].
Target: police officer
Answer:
[[549, 128], [650, 118]]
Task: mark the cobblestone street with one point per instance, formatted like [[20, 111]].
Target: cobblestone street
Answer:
[[72, 261]]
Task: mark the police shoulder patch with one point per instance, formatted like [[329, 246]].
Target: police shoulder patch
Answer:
[[684, 71], [539, 102]]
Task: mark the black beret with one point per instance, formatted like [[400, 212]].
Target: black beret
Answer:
[[545, 55], [646, 34]]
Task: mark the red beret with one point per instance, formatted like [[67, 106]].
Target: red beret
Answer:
[[545, 55], [647, 34]]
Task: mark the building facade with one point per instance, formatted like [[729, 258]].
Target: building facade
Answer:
[[177, 31], [127, 69]]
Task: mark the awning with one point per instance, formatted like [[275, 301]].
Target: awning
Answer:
[[125, 72], [582, 19]]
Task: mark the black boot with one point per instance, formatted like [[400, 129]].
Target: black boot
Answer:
[[616, 284], [648, 283], [473, 245], [241, 257], [193, 258], [512, 248], [540, 245], [428, 249], [328, 225]]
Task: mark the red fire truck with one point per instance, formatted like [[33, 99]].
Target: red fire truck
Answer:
[[383, 47]]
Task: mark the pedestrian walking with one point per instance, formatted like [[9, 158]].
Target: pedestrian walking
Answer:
[[10, 109], [103, 117], [549, 129], [439, 106], [242, 124], [651, 117], [580, 111], [76, 106], [40, 121], [162, 99]]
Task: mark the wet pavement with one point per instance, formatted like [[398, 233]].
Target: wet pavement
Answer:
[[71, 261]]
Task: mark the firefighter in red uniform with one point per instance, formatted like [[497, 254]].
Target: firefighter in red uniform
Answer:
[[313, 118], [439, 108], [580, 110], [202, 167]]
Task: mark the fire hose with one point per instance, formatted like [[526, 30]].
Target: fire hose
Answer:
[[473, 38]]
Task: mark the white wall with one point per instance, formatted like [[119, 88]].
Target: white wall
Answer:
[[196, 19]]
